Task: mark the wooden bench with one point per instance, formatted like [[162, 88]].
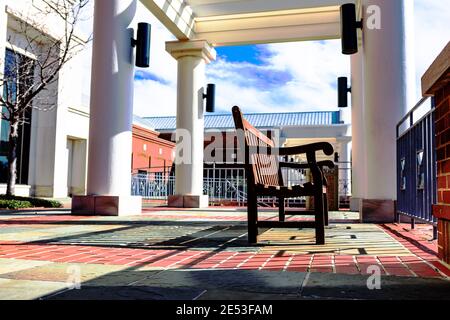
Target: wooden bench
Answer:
[[264, 178]]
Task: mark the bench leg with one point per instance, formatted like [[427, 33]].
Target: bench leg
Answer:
[[320, 221], [252, 218], [325, 208], [282, 210]]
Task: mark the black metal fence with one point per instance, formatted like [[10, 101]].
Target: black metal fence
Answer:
[[416, 164]]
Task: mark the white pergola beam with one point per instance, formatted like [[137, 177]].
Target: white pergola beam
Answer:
[[176, 16], [209, 8], [237, 22], [281, 26]]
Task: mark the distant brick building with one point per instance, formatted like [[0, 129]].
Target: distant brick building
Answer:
[[150, 152]]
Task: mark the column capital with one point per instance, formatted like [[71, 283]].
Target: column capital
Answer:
[[192, 48]]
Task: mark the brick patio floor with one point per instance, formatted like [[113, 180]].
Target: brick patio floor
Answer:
[[37, 249]]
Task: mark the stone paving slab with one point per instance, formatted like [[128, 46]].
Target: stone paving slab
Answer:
[[126, 293], [60, 272], [234, 280], [14, 265], [333, 286], [49, 232], [11, 289]]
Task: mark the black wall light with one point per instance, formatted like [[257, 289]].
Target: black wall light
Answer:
[[349, 26], [343, 91], [142, 44], [336, 157], [210, 97]]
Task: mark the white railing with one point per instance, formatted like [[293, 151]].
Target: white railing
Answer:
[[222, 185]]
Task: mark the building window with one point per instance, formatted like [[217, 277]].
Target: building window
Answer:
[[20, 79]]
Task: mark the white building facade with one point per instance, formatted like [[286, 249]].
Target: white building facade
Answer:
[[53, 146]]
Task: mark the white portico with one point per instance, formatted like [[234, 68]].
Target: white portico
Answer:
[[381, 79]]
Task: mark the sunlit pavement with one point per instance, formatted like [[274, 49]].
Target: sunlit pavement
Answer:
[[203, 254]]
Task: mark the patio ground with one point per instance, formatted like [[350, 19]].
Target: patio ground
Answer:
[[203, 254]]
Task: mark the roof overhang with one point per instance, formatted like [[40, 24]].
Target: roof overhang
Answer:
[[234, 22]]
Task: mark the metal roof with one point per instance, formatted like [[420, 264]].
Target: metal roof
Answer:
[[261, 120]]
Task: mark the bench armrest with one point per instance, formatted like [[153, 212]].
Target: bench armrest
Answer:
[[326, 147], [313, 165], [326, 163], [293, 165], [321, 164]]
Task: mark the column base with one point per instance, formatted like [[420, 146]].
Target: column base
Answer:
[[188, 201], [377, 211], [106, 205], [355, 204]]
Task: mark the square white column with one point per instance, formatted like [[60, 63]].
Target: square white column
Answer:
[[192, 57]]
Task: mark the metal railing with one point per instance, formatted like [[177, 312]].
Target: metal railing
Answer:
[[152, 186], [225, 186], [221, 190], [222, 185], [416, 164]]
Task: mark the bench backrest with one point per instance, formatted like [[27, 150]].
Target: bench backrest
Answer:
[[263, 167]]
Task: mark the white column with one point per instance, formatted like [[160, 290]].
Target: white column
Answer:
[[388, 93], [358, 144], [111, 114], [192, 57]]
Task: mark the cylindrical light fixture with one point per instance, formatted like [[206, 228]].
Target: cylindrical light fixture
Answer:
[[336, 157], [343, 91], [349, 26], [210, 97], [142, 44]]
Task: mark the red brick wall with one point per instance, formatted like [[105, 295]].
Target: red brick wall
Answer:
[[442, 98], [443, 143], [150, 151]]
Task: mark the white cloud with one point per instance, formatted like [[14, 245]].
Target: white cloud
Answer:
[[313, 68], [152, 98]]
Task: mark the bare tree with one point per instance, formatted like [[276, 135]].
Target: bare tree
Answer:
[[26, 82]]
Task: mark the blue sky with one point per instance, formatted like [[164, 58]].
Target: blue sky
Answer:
[[253, 54], [276, 77]]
